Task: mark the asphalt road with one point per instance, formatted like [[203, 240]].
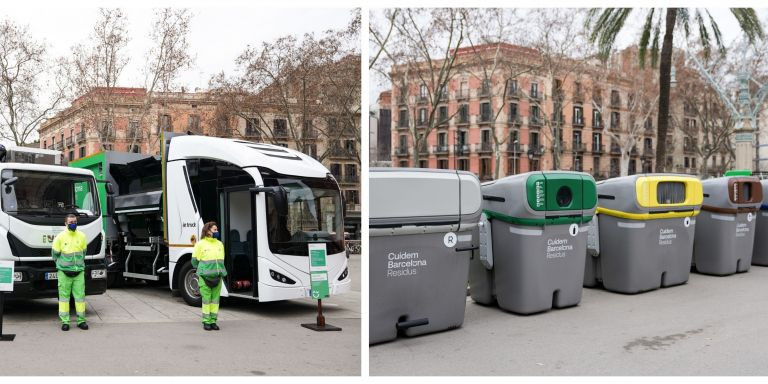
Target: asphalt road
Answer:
[[710, 326], [141, 330]]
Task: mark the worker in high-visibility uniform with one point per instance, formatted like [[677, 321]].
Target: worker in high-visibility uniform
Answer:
[[68, 252], [208, 258]]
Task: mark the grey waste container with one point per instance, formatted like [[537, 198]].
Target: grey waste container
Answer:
[[725, 232], [538, 241], [644, 232], [760, 253], [421, 240]]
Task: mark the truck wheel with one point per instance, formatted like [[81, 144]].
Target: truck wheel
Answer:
[[115, 279], [188, 287]]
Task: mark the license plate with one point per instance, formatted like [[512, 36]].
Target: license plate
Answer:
[[51, 276]]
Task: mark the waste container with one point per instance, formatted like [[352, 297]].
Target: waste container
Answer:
[[421, 240], [725, 233], [538, 241], [760, 253], [645, 232]]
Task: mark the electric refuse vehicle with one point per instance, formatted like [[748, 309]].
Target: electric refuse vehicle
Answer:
[[35, 200], [270, 202]]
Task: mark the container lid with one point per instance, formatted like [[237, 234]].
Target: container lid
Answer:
[[732, 194], [650, 196], [422, 196]]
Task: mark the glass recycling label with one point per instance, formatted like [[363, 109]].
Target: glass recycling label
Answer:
[[318, 273]]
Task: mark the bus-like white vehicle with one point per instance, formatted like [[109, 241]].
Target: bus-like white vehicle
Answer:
[[270, 202]]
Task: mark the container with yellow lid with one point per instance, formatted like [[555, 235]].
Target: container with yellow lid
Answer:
[[643, 234]]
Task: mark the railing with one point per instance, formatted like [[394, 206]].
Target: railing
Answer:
[[597, 124], [401, 151], [578, 147], [648, 152], [462, 94], [461, 150], [597, 148], [514, 148], [310, 133], [515, 120], [402, 124], [513, 94], [536, 150], [578, 121], [423, 149], [484, 92], [534, 121], [351, 179], [280, 132], [615, 102], [421, 99], [486, 147], [402, 100], [462, 120], [81, 136], [578, 98], [485, 118], [534, 95], [615, 149], [254, 133], [440, 149]]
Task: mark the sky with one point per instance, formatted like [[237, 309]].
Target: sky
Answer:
[[217, 34], [629, 35]]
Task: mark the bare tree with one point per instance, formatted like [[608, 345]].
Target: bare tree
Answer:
[[94, 71], [422, 57], [167, 57], [26, 96]]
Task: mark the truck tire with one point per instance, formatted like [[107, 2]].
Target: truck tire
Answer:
[[115, 279], [188, 285]]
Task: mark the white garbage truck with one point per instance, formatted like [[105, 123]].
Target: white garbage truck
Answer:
[[270, 203], [36, 198]]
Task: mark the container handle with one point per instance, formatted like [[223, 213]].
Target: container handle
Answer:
[[403, 325], [476, 247]]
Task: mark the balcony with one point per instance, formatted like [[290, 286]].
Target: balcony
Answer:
[[648, 153], [597, 124], [252, 133], [578, 98], [80, 136], [461, 150], [462, 94], [402, 124], [615, 102], [423, 149], [633, 152], [309, 133], [514, 148], [57, 146], [515, 120], [401, 151], [421, 123], [513, 94], [485, 147], [484, 92], [338, 152], [442, 122], [422, 100], [484, 118], [558, 119], [578, 147], [535, 121], [599, 176], [486, 177], [350, 179], [615, 149], [598, 148], [281, 133], [440, 150], [689, 149], [402, 100], [578, 122], [462, 120], [534, 95], [536, 150]]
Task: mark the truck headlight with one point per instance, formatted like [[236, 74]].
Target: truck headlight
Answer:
[[98, 274], [18, 276]]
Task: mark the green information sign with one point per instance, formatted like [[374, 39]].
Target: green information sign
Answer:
[[6, 275], [318, 274]]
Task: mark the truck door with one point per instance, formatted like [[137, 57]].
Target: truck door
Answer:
[[236, 219]]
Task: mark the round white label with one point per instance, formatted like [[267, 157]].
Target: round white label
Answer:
[[450, 239], [574, 229], [687, 222], [749, 216]]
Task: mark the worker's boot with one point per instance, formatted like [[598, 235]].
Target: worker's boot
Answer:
[[207, 327], [83, 326], [214, 327], [65, 327]]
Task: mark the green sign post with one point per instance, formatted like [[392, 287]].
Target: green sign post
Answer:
[[319, 288], [6, 285]]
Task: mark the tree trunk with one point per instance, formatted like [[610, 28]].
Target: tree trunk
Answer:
[[624, 162], [497, 154], [665, 69]]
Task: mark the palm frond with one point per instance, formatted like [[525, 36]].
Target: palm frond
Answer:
[[645, 37], [749, 23]]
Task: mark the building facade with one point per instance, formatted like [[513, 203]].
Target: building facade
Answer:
[[509, 122], [129, 126]]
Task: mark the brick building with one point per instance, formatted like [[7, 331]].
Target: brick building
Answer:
[[79, 132], [522, 111]]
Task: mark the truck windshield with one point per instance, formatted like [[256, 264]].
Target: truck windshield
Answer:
[[49, 194], [314, 216]]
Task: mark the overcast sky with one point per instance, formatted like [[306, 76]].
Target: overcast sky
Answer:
[[218, 34], [629, 35]]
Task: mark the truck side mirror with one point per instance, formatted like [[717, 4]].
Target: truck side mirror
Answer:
[[110, 204], [109, 188], [9, 182]]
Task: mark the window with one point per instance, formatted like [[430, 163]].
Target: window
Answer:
[[485, 168], [596, 165], [534, 140], [485, 137], [350, 173], [193, 123], [513, 166], [311, 150], [462, 138], [71, 155], [280, 127], [423, 164], [463, 114], [252, 125], [442, 164], [336, 170], [443, 113], [693, 162], [463, 165], [511, 86], [687, 162], [165, 123], [485, 88], [578, 116], [533, 164], [402, 120], [512, 111], [535, 118], [535, 90], [422, 116], [403, 163], [82, 152], [423, 91], [597, 119], [403, 141], [578, 165], [350, 146], [615, 120], [485, 112], [648, 143], [615, 98], [442, 139], [351, 196], [597, 139]]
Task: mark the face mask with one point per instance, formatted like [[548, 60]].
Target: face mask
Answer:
[[216, 235], [72, 226]]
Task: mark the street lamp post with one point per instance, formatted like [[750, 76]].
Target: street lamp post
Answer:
[[514, 157]]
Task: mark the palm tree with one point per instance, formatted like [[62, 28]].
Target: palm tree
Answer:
[[605, 24]]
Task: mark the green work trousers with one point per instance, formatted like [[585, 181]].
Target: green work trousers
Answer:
[[210, 298], [74, 286]]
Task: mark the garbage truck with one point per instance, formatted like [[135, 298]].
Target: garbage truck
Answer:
[[270, 203], [36, 198]]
